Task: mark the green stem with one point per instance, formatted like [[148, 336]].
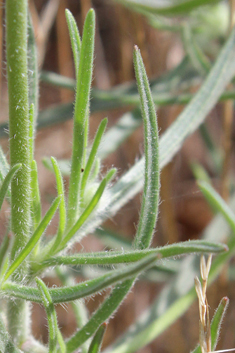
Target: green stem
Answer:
[[16, 17], [16, 45]]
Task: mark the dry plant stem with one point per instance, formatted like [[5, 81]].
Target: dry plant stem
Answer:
[[204, 322], [16, 43], [227, 122]]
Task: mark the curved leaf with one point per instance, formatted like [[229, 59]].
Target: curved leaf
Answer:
[[117, 257], [81, 290], [97, 340], [150, 200]]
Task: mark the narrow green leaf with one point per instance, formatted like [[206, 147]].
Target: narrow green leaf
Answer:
[[92, 155], [62, 207], [61, 341], [147, 221], [216, 201], [216, 324], [95, 345], [117, 257], [89, 209], [64, 165], [81, 290], [172, 140], [150, 200], [106, 309], [74, 38], [200, 173], [4, 247], [168, 7], [34, 238], [217, 321], [35, 198], [148, 209], [51, 314], [84, 78], [7, 180]]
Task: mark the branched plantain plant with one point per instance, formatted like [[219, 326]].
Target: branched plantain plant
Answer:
[[27, 252]]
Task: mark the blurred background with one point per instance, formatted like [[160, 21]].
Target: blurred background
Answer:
[[164, 42]]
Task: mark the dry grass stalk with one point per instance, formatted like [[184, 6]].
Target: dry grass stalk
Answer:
[[204, 322]]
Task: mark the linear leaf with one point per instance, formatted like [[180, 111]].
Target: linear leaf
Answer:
[[150, 199], [34, 238], [132, 182], [172, 140], [51, 314], [216, 201], [81, 111], [216, 324], [81, 290], [35, 199], [74, 38], [217, 321], [117, 257], [4, 248], [97, 340], [92, 155], [7, 180], [149, 209], [168, 7], [62, 207], [89, 209]]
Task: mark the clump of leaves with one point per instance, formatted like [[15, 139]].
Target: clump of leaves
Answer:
[[29, 253]]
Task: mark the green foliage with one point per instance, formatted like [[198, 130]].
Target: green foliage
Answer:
[[92, 199]]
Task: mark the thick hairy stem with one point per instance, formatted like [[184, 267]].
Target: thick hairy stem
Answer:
[[16, 43]]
